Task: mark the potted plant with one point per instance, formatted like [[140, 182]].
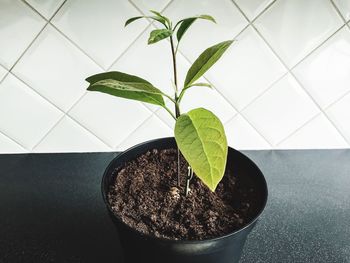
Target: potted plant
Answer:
[[185, 199]]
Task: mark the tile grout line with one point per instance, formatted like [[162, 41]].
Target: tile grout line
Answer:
[[13, 140], [298, 129], [133, 132], [301, 85], [339, 13], [66, 114]]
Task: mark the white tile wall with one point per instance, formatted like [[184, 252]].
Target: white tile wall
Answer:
[[283, 84]]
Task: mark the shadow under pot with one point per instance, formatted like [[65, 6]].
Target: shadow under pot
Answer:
[[139, 247]]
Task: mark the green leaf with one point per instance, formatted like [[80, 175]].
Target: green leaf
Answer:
[[201, 139], [126, 86], [207, 59], [159, 34], [201, 85], [165, 20], [130, 20], [186, 23]]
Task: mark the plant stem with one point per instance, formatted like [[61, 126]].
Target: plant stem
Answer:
[[188, 179], [177, 108], [174, 66]]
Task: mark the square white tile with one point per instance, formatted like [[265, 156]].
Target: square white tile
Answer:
[[252, 8], [24, 115], [9, 146], [56, 69], [326, 73], [246, 70], [146, 5], [203, 34], [68, 135], [281, 110], [295, 28], [2, 73], [344, 8], [110, 118], [317, 134], [339, 113], [153, 128], [45, 7], [19, 25], [99, 28], [241, 135]]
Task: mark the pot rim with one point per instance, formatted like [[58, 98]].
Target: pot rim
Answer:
[[178, 241]]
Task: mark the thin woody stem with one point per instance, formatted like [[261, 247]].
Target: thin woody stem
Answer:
[[177, 108]]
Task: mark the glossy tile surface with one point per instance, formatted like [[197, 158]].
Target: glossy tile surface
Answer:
[[111, 119], [241, 135], [19, 25], [281, 110], [319, 133], [252, 8], [45, 7], [68, 134], [295, 28], [56, 69], [50, 47], [325, 74], [102, 36], [344, 8], [24, 115], [246, 70], [339, 113]]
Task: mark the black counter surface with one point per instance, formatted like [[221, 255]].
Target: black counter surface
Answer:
[[51, 209]]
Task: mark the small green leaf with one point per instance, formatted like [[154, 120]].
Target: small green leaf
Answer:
[[126, 86], [165, 20], [201, 139], [201, 85], [207, 59], [186, 23], [130, 20], [159, 34]]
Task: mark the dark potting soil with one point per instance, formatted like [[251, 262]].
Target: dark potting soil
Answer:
[[145, 196]]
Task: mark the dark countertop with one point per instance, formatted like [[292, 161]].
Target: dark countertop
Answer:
[[51, 209]]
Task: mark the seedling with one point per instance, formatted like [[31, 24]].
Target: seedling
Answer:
[[199, 134]]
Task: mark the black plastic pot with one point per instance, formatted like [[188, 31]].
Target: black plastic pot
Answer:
[[141, 248]]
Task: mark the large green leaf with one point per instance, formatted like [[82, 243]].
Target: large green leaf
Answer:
[[126, 86], [159, 34], [186, 23], [201, 139], [207, 59]]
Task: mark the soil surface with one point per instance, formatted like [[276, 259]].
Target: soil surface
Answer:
[[145, 196]]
